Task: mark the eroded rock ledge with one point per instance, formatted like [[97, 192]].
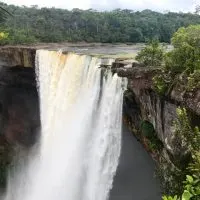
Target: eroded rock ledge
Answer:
[[14, 56]]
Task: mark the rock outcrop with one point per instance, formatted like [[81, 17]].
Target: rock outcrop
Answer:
[[14, 56], [142, 103]]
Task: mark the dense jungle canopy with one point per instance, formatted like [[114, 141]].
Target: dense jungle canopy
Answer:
[[33, 24]]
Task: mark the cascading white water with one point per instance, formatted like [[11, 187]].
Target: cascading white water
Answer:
[[81, 117]]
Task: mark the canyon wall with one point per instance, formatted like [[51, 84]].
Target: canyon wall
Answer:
[[19, 107], [143, 103]]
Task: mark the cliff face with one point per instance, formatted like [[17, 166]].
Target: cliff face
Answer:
[[142, 103], [19, 111], [13, 56], [19, 106]]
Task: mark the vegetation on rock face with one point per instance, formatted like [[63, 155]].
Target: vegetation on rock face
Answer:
[[152, 141], [179, 171], [57, 25], [147, 129], [181, 65], [189, 139], [160, 84]]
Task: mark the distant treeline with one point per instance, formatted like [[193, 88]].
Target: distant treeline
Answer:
[[31, 24]]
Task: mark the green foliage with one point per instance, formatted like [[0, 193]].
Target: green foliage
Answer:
[[182, 64], [3, 36], [148, 132], [192, 188], [56, 25], [151, 55], [160, 85], [170, 176], [190, 139], [188, 35], [147, 129], [194, 167], [193, 81], [186, 53], [18, 37], [4, 14], [170, 198]]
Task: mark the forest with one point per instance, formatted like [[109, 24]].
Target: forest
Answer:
[[34, 24]]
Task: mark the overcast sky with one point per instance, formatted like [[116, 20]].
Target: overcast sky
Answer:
[[158, 5]]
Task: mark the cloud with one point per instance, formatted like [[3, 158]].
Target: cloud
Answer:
[[158, 5], [83, 4]]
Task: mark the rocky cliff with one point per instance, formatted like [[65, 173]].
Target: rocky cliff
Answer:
[[19, 104], [17, 56], [151, 117], [141, 102]]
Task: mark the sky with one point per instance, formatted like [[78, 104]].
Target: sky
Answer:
[[157, 5]]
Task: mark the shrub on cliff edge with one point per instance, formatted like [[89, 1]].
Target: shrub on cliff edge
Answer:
[[152, 54], [186, 53]]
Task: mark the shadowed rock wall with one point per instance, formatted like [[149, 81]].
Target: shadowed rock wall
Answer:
[[19, 106]]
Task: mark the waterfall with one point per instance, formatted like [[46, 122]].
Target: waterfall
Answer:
[[81, 118]]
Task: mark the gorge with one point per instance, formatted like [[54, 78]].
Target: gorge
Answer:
[[21, 124]]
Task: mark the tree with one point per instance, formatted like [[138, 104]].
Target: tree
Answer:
[[3, 14], [186, 53], [3, 36], [197, 9], [57, 25], [152, 54]]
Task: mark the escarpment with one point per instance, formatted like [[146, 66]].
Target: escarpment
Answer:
[[19, 104], [143, 106], [141, 102]]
